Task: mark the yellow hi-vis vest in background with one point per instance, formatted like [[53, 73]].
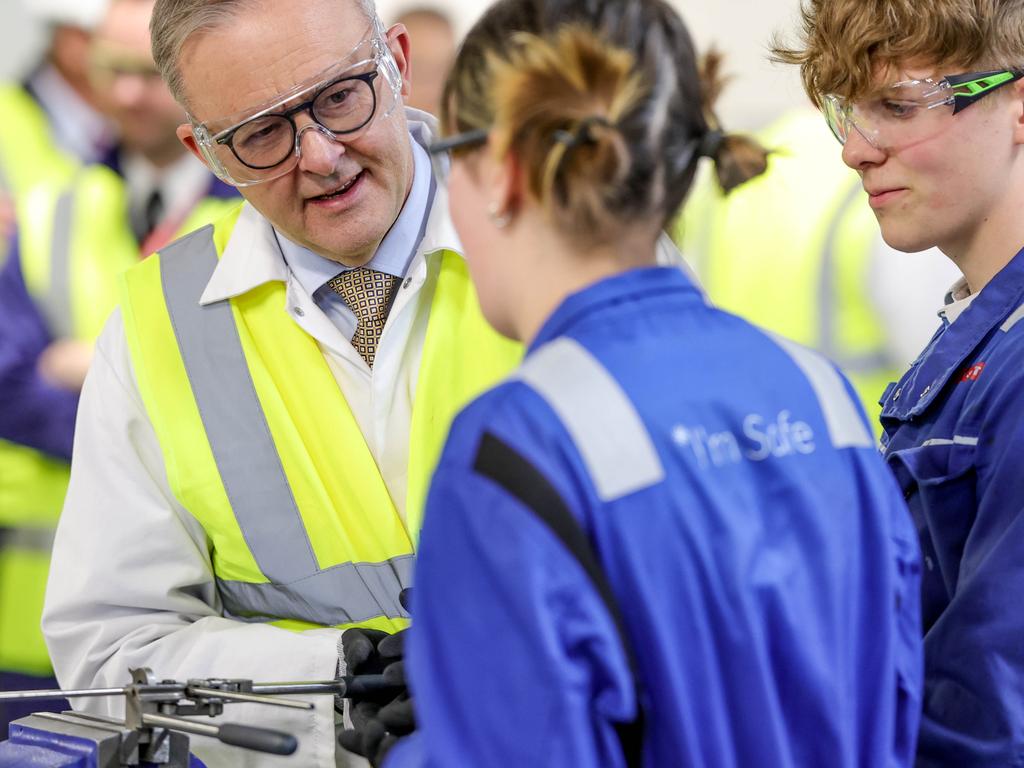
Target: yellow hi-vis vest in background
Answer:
[[28, 153], [790, 251], [74, 243], [260, 445]]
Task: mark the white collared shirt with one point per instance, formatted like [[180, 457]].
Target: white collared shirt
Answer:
[[958, 299]]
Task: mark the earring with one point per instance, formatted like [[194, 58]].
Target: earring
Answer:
[[500, 220]]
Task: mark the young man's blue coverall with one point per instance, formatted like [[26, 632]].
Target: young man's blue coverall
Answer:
[[954, 436], [763, 560]]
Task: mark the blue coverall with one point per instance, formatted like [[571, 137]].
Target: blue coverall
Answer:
[[954, 436], [762, 558]]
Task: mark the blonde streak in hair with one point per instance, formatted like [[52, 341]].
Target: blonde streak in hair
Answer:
[[613, 78], [549, 178], [513, 79], [628, 95], [543, 83], [536, 61]]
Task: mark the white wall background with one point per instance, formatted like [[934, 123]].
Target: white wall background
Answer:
[[20, 38], [741, 28]]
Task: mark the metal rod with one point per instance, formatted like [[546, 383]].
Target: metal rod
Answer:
[[273, 701], [53, 694], [336, 687], [180, 724]]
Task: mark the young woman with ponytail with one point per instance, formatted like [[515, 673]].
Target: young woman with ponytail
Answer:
[[668, 540]]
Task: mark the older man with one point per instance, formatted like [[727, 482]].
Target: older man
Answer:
[[257, 430]]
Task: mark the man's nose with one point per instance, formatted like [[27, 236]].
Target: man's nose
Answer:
[[319, 151], [858, 152]]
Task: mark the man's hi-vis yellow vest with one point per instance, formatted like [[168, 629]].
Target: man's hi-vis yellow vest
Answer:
[[790, 250], [262, 449], [74, 243]]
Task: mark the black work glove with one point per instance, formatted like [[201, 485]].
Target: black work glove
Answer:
[[375, 728], [377, 724]]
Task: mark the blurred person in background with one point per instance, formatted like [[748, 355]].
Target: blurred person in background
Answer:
[[50, 119], [57, 287], [50, 125], [432, 57], [798, 252], [668, 539]]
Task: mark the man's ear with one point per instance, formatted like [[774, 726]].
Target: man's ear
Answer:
[[186, 135], [188, 138], [398, 42], [1018, 111]]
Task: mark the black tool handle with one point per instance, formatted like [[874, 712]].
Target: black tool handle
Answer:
[[258, 739], [360, 686]]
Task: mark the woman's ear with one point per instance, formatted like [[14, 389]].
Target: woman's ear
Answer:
[[505, 183]]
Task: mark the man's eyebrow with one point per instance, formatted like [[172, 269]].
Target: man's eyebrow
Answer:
[[300, 90]]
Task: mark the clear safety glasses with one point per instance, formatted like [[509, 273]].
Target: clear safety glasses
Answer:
[[905, 113], [265, 142]]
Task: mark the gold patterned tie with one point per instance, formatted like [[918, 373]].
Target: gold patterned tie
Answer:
[[367, 293]]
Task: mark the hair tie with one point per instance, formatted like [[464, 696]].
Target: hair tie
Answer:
[[711, 144], [582, 134]]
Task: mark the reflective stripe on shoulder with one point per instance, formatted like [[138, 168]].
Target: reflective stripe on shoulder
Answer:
[[599, 416], [1013, 319], [845, 426], [250, 467]]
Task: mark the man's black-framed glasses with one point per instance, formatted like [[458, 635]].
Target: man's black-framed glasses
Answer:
[[343, 106]]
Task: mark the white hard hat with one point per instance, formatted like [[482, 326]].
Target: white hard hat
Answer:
[[76, 13]]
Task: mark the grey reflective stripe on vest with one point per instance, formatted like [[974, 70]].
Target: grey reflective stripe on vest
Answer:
[[27, 539], [344, 594], [846, 428], [599, 416], [58, 292], [250, 467], [828, 335]]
